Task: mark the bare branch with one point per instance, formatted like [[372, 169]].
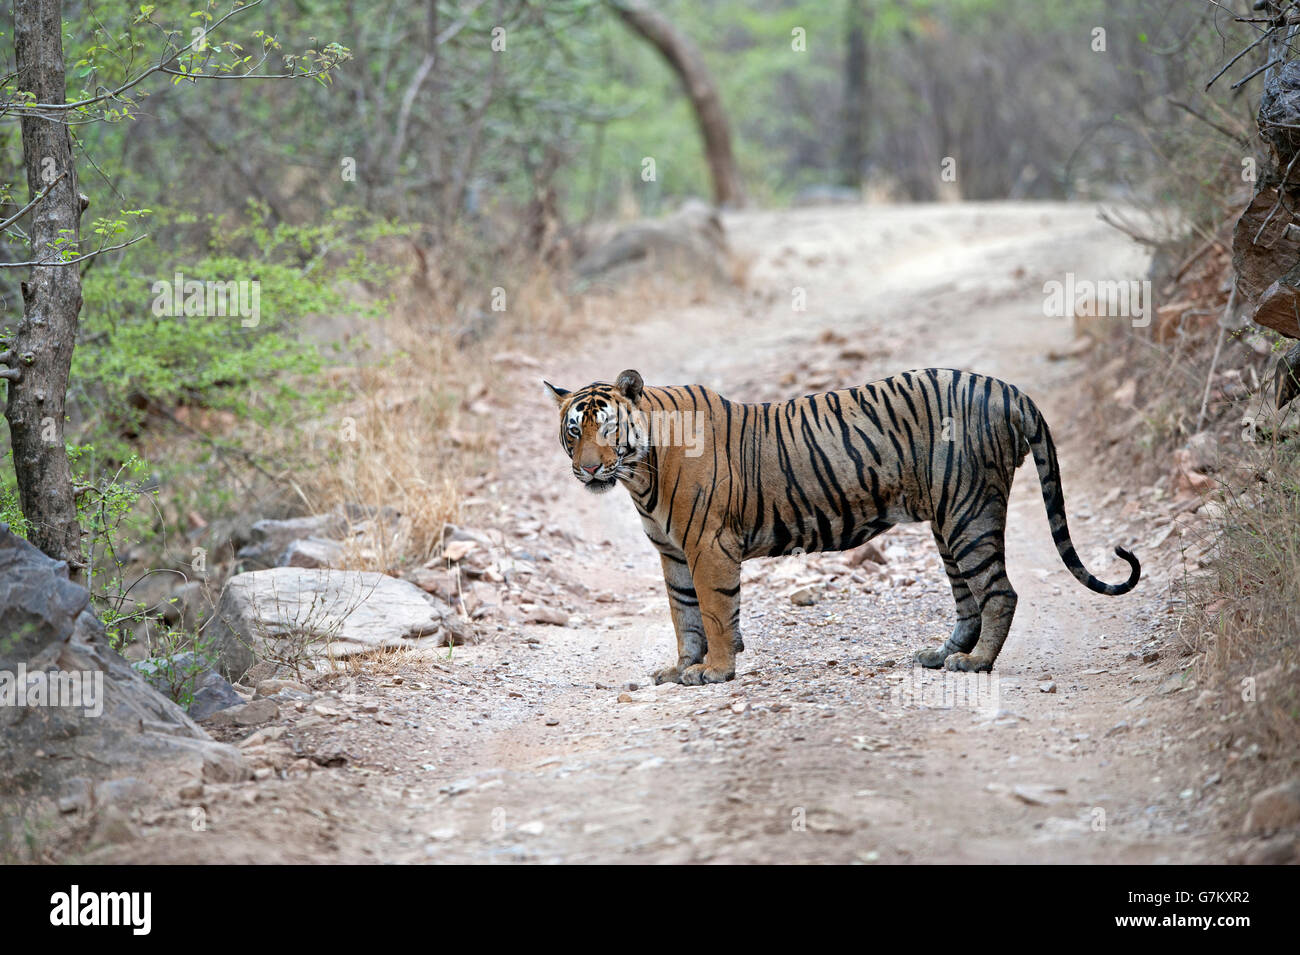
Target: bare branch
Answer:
[[27, 208], [79, 258], [1254, 73], [1227, 66], [1237, 138]]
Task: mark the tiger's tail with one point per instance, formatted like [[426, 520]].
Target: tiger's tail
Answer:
[[1039, 438]]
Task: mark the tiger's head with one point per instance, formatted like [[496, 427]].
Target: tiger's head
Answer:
[[600, 429]]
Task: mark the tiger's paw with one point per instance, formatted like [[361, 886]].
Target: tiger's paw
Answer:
[[701, 673], [671, 674], [968, 663], [931, 659]]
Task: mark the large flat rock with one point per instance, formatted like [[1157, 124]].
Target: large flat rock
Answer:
[[331, 613]]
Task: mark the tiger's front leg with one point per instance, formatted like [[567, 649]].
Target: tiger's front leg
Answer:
[[717, 587], [685, 607]]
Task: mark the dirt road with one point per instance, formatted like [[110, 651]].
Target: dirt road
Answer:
[[535, 746]]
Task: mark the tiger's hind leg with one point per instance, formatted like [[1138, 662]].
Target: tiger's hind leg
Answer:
[[977, 549], [967, 631]]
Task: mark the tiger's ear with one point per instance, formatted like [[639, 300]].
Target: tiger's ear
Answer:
[[559, 394], [629, 383]]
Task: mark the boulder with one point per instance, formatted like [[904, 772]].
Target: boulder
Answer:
[[312, 552], [182, 672], [119, 727], [38, 604], [690, 241], [325, 613], [1279, 114], [1273, 809], [271, 538], [1266, 237], [440, 582], [253, 713]]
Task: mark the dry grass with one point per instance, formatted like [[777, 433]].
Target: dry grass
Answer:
[[422, 407], [419, 417], [1243, 615], [1242, 612]]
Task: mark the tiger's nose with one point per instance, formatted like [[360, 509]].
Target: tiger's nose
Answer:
[[591, 468]]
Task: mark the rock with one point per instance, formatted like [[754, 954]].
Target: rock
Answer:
[[267, 735], [112, 827], [1203, 451], [38, 604], [330, 754], [246, 714], [865, 552], [1273, 809], [327, 709], [1038, 795], [190, 792], [1048, 686], [458, 550], [1286, 377], [1280, 850], [272, 687], [125, 792], [312, 552], [189, 673], [75, 795], [290, 611], [1279, 112], [536, 613], [44, 624], [1279, 304], [691, 241], [1185, 478], [271, 538], [439, 582], [1173, 684], [1079, 346], [224, 537], [1259, 264], [1121, 727], [803, 597], [274, 757], [516, 359]]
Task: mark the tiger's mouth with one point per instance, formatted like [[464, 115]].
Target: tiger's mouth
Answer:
[[599, 485]]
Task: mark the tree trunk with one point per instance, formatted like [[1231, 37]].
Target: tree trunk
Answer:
[[853, 144], [685, 60], [41, 348]]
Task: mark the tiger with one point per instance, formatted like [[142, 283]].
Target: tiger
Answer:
[[717, 482]]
